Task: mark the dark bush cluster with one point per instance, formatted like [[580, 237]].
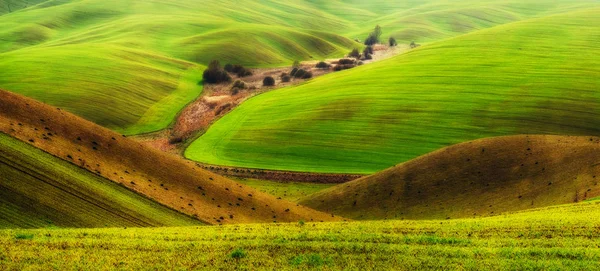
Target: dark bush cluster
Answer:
[[346, 61], [237, 86], [368, 53], [214, 74], [341, 67], [268, 81], [286, 78], [322, 65], [392, 41], [239, 70], [355, 54]]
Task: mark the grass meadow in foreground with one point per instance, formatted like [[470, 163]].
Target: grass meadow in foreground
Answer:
[[555, 238]]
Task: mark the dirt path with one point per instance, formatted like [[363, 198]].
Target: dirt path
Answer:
[[218, 100]]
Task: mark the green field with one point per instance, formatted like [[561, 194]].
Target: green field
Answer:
[[292, 191], [556, 238], [131, 65], [38, 190], [538, 76]]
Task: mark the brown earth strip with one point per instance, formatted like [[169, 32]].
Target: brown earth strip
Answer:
[[282, 176]]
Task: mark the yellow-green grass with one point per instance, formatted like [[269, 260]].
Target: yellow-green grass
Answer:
[[292, 191], [533, 77], [123, 89], [39, 190], [555, 238], [479, 178], [118, 59]]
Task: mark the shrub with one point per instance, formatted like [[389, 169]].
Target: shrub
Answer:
[[368, 50], [283, 74], [296, 64], [392, 42], [293, 72], [360, 63], [346, 61], [268, 81], [307, 75], [239, 70], [341, 67], [238, 253], [286, 78], [368, 57], [300, 73], [214, 74], [239, 84], [322, 65], [355, 54]]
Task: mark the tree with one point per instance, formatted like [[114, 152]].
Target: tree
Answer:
[[368, 52], [392, 42], [355, 54], [268, 81], [214, 74], [214, 65], [296, 64], [374, 36], [413, 45]]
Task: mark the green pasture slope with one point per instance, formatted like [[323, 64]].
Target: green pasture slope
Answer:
[[555, 238], [292, 191], [131, 65], [38, 190], [538, 76]]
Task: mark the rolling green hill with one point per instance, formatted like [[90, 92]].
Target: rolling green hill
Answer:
[[39, 190], [131, 65], [532, 77], [479, 178]]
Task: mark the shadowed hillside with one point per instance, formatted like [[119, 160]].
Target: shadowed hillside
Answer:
[[39, 190], [479, 178], [167, 179]]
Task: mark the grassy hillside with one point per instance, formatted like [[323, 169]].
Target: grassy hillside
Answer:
[[532, 77], [479, 178], [555, 238], [167, 179], [292, 191], [39, 190], [130, 56]]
